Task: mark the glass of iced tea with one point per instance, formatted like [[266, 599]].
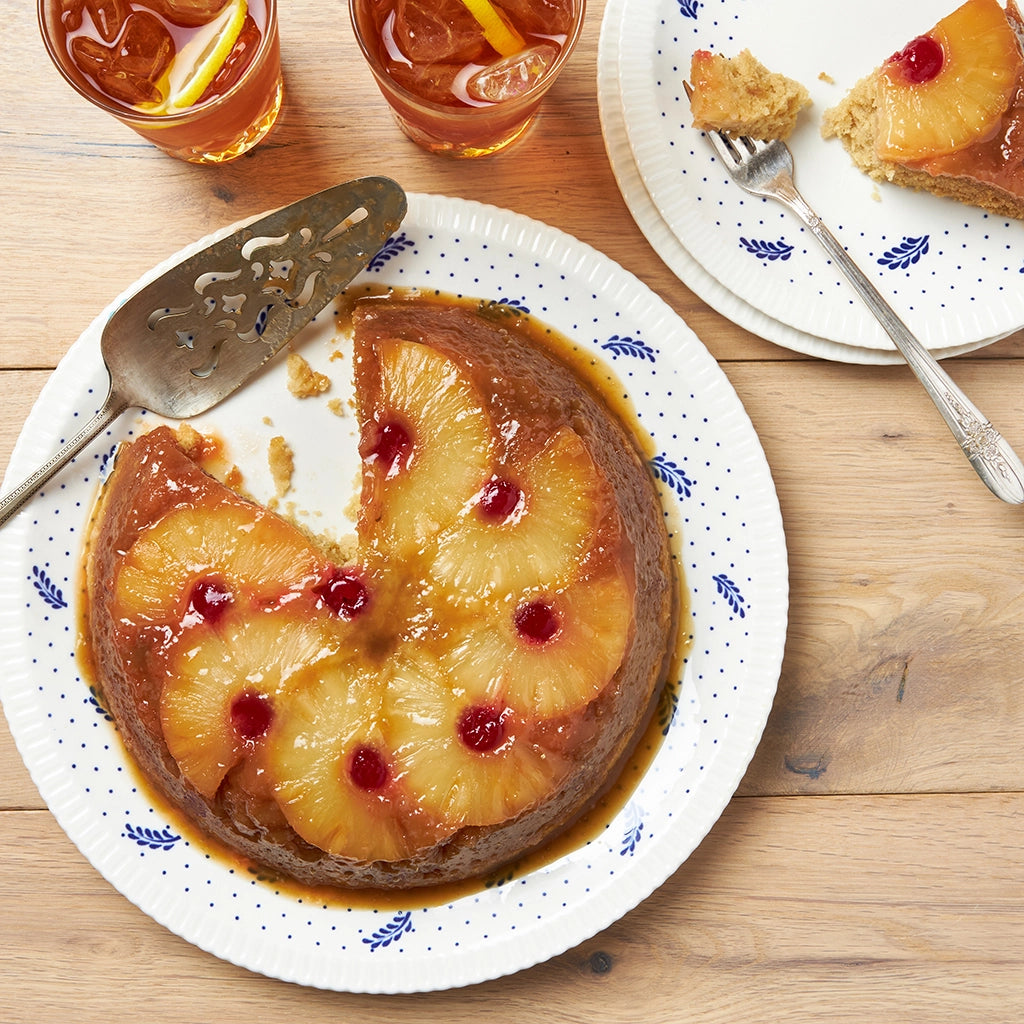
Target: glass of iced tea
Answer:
[[201, 79], [466, 77]]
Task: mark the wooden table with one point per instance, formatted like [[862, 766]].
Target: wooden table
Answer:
[[870, 867]]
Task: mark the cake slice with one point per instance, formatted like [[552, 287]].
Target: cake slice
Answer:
[[945, 114], [741, 96]]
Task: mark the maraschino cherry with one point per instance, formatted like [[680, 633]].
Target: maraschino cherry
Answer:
[[920, 60], [536, 621], [392, 447], [499, 498], [210, 599], [481, 728], [344, 592], [251, 716], [367, 769]]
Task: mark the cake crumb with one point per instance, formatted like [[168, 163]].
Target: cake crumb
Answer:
[[337, 406], [192, 442], [824, 76], [207, 450], [282, 464], [303, 380]]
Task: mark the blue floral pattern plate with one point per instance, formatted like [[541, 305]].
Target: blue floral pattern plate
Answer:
[[615, 26], [952, 272], [729, 544]]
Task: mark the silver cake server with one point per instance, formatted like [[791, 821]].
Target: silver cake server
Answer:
[[187, 340]]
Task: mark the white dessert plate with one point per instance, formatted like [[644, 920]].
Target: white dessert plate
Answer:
[[729, 542], [673, 253], [952, 272]]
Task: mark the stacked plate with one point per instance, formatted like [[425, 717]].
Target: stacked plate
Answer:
[[952, 273]]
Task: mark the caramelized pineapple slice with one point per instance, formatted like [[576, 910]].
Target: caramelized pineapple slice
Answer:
[[950, 87], [425, 450], [258, 554], [219, 702], [550, 652], [524, 529], [469, 761], [334, 773]]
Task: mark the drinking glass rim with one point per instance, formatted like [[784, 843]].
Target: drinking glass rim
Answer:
[[467, 111], [132, 114]]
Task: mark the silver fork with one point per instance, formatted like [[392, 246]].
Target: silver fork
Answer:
[[766, 169]]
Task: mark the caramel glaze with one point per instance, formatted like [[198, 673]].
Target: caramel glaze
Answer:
[[994, 162], [997, 161], [528, 373]]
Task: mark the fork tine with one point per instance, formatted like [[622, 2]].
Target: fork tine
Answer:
[[725, 146]]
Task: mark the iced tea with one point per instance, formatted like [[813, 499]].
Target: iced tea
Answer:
[[466, 77], [201, 79]]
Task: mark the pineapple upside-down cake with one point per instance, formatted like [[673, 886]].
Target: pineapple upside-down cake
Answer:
[[453, 693], [946, 113]]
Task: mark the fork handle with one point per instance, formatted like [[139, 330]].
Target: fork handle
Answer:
[[13, 502], [988, 451]]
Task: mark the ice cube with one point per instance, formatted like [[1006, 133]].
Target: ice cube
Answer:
[[432, 82], [108, 16], [539, 17], [437, 31], [512, 76], [128, 70]]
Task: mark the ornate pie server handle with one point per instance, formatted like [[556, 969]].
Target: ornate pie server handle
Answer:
[[988, 451], [16, 499]]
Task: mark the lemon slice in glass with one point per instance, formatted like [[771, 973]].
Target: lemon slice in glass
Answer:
[[497, 29], [195, 66]]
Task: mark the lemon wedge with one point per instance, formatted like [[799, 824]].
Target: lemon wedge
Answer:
[[196, 65], [497, 30]]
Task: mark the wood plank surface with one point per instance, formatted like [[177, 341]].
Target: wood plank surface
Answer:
[[905, 651], [869, 869], [840, 909]]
